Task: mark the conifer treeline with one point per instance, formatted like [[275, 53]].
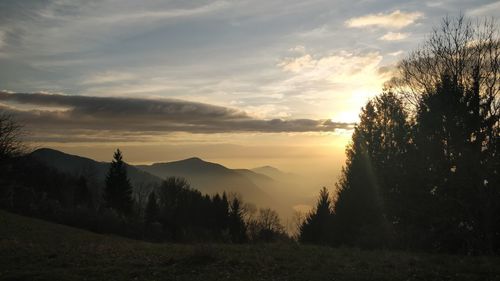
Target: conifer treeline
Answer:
[[173, 211], [422, 168]]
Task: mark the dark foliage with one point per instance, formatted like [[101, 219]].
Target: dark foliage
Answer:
[[152, 212], [173, 212], [317, 225], [10, 141], [266, 227], [236, 223], [188, 215], [118, 190], [425, 175]]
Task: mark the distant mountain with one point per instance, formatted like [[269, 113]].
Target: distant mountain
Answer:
[[212, 177], [271, 172], [254, 176], [77, 165], [292, 189], [191, 166], [264, 186]]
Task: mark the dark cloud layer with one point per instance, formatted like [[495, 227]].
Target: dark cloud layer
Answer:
[[51, 112]]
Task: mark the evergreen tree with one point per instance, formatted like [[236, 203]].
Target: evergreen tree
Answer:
[[452, 84], [221, 211], [237, 227], [118, 190], [317, 226], [453, 148], [371, 188]]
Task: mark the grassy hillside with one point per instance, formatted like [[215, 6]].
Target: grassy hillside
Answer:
[[32, 249]]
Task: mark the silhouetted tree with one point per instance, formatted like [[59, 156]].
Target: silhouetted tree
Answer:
[[237, 227], [317, 227], [453, 150], [118, 190], [221, 211], [467, 51], [152, 211], [83, 197], [10, 137], [424, 175], [140, 196], [266, 226], [453, 82], [372, 185], [11, 146], [174, 211]]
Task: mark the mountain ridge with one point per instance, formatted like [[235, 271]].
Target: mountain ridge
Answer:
[[79, 165], [209, 177], [205, 176]]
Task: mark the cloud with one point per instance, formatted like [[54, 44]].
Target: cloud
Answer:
[[339, 67], [297, 64], [161, 14], [298, 49], [393, 36], [396, 19], [53, 112], [397, 53], [127, 12], [108, 77], [333, 83], [491, 9], [52, 28], [318, 32], [387, 71], [3, 39]]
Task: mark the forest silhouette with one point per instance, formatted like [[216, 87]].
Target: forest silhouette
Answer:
[[422, 166]]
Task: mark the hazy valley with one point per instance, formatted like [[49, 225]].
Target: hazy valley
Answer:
[[260, 187]]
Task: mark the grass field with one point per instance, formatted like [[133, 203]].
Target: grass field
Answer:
[[32, 249]]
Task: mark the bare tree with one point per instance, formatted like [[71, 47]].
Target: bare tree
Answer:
[[141, 194], [269, 219], [451, 85], [467, 51], [295, 223], [265, 225], [249, 211], [11, 144]]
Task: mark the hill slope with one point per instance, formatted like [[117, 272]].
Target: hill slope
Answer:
[[271, 172], [261, 189], [31, 249], [212, 177], [77, 165], [205, 176]]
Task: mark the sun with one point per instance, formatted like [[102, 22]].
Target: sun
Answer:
[[346, 117]]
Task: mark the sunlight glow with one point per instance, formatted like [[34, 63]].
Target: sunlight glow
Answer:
[[346, 117]]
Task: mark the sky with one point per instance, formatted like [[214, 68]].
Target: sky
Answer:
[[244, 83]]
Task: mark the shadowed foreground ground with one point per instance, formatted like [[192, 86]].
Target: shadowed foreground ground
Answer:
[[32, 249]]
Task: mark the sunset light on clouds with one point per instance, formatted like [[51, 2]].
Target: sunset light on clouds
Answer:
[[224, 78]]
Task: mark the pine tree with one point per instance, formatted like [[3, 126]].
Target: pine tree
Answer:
[[118, 190], [221, 211], [237, 227], [372, 186], [453, 149], [317, 226]]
